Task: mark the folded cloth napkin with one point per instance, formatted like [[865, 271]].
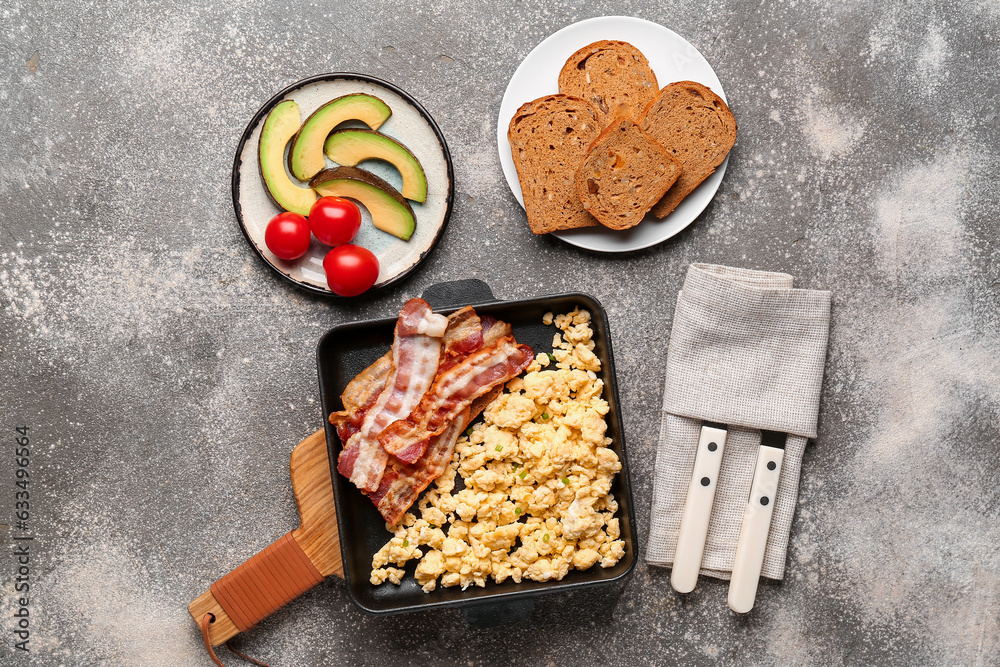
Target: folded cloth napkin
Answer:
[[746, 350]]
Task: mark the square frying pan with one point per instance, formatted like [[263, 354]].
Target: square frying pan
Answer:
[[348, 349]]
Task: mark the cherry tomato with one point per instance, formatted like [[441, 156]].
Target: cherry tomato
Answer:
[[334, 220], [287, 235], [350, 269]]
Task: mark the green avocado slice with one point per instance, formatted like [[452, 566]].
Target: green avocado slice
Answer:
[[305, 160], [281, 125], [389, 210], [349, 147]]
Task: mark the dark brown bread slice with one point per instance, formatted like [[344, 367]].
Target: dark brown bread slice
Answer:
[[614, 76], [548, 139], [697, 127], [625, 172]]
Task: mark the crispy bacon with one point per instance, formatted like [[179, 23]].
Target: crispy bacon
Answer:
[[403, 482], [416, 352], [493, 329], [365, 399], [464, 335], [359, 395], [453, 390]]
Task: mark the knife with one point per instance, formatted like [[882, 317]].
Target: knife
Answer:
[[756, 522], [698, 507]]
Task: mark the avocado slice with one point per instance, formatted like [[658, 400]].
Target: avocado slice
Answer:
[[281, 125], [349, 147], [305, 160], [390, 211]]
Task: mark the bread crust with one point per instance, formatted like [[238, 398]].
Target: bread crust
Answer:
[[625, 172], [697, 126], [612, 75], [549, 138]]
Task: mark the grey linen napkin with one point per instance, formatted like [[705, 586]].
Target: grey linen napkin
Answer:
[[746, 350]]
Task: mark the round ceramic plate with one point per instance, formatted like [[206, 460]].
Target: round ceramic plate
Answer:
[[672, 58], [410, 124]]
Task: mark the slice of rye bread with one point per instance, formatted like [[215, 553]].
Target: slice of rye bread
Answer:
[[614, 76], [625, 172], [697, 127], [548, 139]]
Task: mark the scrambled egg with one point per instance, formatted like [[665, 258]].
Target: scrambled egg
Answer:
[[537, 474]]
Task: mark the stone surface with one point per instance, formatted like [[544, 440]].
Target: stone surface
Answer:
[[165, 373]]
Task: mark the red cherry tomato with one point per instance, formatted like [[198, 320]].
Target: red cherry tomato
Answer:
[[334, 220], [287, 235], [350, 269]]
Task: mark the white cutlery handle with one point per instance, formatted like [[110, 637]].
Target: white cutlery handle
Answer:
[[698, 509], [753, 534]]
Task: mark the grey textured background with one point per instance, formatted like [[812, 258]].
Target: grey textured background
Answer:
[[165, 372]]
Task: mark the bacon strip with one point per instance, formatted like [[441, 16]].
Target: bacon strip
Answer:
[[403, 482], [359, 395], [453, 390], [463, 335], [416, 353], [493, 329]]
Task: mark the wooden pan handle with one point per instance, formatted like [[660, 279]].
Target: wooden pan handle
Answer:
[[290, 566]]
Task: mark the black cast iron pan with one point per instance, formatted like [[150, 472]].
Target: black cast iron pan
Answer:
[[348, 349]]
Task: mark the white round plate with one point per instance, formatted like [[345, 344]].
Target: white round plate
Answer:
[[410, 124], [672, 58]]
